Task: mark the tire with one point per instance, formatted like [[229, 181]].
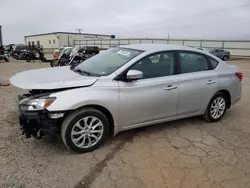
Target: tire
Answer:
[[15, 57], [6, 59], [225, 58], [28, 60], [43, 59], [208, 115], [54, 63], [75, 120]]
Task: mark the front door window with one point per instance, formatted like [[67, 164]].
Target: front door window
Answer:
[[157, 65]]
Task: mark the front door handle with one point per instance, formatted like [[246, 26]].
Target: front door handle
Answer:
[[209, 82], [170, 87]]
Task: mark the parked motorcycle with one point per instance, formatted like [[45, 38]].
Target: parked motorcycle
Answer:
[[65, 58], [9, 50], [77, 56], [4, 56], [29, 55], [58, 51], [18, 50]]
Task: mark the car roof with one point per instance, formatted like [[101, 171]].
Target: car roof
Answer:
[[151, 48], [156, 47]]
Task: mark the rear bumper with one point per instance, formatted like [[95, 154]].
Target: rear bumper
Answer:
[[236, 91], [234, 101]]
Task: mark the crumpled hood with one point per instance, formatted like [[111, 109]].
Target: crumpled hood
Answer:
[[50, 78]]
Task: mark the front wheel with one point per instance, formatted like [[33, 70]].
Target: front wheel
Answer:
[[84, 130], [225, 58], [55, 63], [6, 59], [28, 59], [43, 59], [216, 108]]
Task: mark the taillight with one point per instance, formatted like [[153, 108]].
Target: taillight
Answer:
[[239, 75]]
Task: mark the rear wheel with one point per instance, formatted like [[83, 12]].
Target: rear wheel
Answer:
[[28, 59], [84, 130], [216, 108]]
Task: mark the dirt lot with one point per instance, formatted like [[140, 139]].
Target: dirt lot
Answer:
[[188, 153]]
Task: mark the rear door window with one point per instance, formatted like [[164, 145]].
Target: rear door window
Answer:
[[192, 62]]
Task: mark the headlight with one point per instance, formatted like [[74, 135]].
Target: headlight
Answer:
[[40, 104]]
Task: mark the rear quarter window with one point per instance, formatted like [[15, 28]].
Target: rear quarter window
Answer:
[[214, 63]]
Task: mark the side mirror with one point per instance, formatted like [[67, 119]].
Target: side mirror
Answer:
[[134, 75]]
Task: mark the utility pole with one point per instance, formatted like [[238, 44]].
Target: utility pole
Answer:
[[1, 43], [1, 38], [79, 30], [168, 38]]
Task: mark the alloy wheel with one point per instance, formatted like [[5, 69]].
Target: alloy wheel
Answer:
[[218, 107], [87, 132]]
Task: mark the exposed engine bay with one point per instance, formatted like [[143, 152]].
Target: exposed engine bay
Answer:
[[39, 92]]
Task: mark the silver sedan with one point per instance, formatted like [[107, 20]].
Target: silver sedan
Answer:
[[124, 88]]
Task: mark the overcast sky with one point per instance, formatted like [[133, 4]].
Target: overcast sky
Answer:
[[196, 19]]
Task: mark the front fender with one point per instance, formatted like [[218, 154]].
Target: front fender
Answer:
[[72, 99]]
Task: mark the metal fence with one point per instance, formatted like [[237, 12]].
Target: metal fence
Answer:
[[240, 48]]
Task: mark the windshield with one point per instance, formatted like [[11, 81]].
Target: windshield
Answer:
[[74, 51], [66, 50], [108, 61]]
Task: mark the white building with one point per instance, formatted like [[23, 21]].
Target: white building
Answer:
[[58, 39]]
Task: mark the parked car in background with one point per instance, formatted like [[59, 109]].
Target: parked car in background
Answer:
[[221, 53], [124, 88]]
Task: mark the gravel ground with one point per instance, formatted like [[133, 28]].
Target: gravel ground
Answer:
[[187, 153]]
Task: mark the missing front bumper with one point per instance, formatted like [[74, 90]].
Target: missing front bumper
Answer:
[[34, 123], [31, 127]]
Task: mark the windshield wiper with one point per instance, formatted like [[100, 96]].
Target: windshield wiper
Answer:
[[82, 72]]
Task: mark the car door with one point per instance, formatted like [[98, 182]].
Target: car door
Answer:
[[152, 98], [197, 82], [220, 53]]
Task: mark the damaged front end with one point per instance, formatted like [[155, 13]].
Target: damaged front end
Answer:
[[34, 123], [34, 117]]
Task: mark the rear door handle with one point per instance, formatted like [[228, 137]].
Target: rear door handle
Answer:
[[170, 87], [209, 82]]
